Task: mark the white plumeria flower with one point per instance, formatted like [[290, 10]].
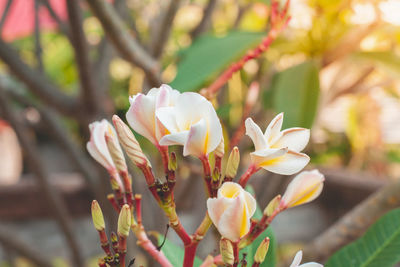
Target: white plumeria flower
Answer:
[[193, 123], [304, 188], [97, 145], [278, 151], [141, 115], [231, 210], [297, 260]]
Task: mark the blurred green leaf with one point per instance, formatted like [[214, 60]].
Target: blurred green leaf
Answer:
[[379, 246], [250, 250], [209, 55], [296, 92], [386, 59], [174, 253]]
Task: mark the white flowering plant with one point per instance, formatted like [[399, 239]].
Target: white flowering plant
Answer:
[[166, 117]]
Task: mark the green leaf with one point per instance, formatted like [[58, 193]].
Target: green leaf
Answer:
[[296, 92], [379, 246], [209, 55], [250, 250], [386, 59], [174, 253]]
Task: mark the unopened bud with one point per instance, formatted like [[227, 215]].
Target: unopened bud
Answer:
[[115, 151], [216, 176], [305, 187], [129, 142], [124, 221], [226, 250], [97, 216], [262, 250], [272, 205], [220, 150], [233, 163], [172, 163]]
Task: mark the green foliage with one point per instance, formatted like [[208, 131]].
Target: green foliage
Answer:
[[174, 253], [296, 92], [250, 250], [386, 59], [209, 55], [379, 246]]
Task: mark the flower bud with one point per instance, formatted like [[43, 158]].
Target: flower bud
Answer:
[[220, 150], [129, 142], [305, 187], [272, 205], [115, 151], [233, 163], [124, 221], [97, 216], [226, 250], [262, 250], [172, 163]]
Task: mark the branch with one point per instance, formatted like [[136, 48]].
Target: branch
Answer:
[[123, 41], [63, 27], [354, 223], [10, 241], [56, 204], [278, 22], [205, 21], [38, 83], [38, 46], [161, 33], [5, 14], [89, 96]]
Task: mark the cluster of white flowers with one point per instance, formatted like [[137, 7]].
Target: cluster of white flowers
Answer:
[[167, 117]]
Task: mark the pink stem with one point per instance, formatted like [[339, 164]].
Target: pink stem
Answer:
[[246, 176]]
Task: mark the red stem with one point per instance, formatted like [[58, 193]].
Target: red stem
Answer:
[[235, 254], [246, 176], [190, 254], [164, 157], [278, 23], [207, 173], [138, 206]]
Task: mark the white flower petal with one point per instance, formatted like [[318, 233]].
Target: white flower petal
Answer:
[[255, 133], [287, 164], [311, 264], [251, 203], [297, 259], [174, 139], [273, 131], [229, 190], [141, 116], [197, 140], [167, 117], [191, 108], [295, 139], [216, 207], [234, 222]]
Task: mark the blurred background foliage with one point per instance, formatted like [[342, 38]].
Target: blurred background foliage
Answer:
[[334, 69]]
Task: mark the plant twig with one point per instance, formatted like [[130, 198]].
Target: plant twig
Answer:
[[38, 46], [53, 199], [123, 41], [206, 19], [38, 83], [89, 95], [278, 21], [5, 14], [63, 27], [10, 240], [354, 223], [162, 32]]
